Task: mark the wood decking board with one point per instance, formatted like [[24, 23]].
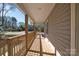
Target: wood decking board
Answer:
[[41, 47]]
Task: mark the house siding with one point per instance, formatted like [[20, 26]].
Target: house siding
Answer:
[[59, 28]]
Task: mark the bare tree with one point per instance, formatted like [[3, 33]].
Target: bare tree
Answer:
[[4, 9]]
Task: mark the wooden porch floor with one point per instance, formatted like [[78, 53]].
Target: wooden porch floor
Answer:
[[41, 47]]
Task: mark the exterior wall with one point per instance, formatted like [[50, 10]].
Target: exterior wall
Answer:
[[59, 28]]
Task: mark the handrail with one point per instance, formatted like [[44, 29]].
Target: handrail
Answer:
[[16, 45]]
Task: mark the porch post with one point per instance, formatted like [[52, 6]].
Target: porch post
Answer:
[[34, 26], [26, 30]]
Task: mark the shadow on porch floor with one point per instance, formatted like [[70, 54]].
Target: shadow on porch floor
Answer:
[[47, 48]]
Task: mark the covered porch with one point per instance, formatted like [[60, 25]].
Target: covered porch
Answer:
[[60, 23]]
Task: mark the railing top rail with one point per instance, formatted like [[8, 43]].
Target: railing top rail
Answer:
[[16, 36]]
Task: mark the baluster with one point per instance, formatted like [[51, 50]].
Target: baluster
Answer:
[[0, 51], [10, 48], [4, 50], [15, 49], [18, 46]]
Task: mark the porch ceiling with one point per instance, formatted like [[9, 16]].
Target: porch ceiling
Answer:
[[37, 11]]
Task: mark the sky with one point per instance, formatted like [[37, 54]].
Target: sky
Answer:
[[16, 13]]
